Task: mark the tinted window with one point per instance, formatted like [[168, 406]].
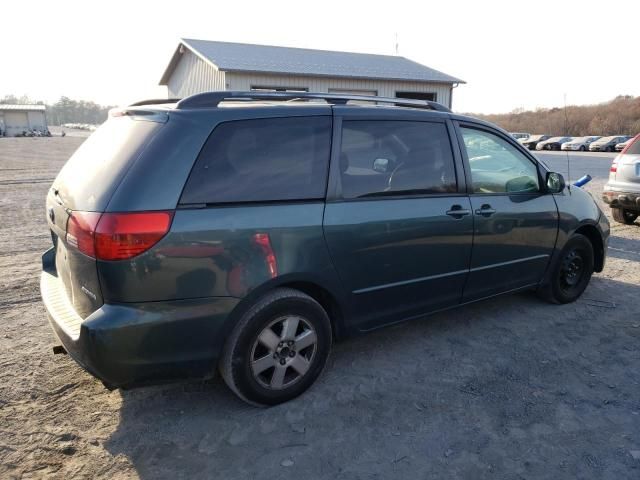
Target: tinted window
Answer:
[[634, 147], [497, 166], [262, 160], [93, 172], [395, 157]]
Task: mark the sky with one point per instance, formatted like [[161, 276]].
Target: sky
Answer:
[[512, 54]]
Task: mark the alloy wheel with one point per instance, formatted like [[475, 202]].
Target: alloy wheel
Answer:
[[283, 352]]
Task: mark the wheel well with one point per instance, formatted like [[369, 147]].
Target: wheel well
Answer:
[[594, 237], [324, 298]]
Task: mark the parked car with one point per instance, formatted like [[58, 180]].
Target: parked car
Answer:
[[622, 191], [553, 143], [621, 146], [280, 226], [579, 143], [607, 144], [533, 140], [519, 135]]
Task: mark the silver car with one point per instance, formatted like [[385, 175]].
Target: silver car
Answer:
[[579, 143], [622, 192]]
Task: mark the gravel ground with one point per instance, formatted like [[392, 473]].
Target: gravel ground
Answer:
[[507, 388]]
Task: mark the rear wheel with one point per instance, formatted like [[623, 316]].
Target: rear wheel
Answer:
[[582, 148], [278, 348], [621, 215], [572, 272]]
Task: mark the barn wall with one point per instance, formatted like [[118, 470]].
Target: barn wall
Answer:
[[384, 88], [194, 75]]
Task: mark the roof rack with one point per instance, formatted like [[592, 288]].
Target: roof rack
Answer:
[[155, 101], [213, 99]]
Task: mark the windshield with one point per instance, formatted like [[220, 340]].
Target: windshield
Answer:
[[606, 139]]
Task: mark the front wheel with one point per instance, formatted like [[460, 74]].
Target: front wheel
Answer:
[[621, 215], [572, 271], [278, 348], [583, 148]]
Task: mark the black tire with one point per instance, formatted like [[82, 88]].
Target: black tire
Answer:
[[621, 215], [240, 347], [572, 272], [583, 148]]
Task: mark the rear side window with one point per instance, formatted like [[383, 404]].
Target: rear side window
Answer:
[[382, 157], [267, 159]]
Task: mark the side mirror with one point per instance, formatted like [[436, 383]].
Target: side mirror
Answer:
[[381, 165], [555, 182]]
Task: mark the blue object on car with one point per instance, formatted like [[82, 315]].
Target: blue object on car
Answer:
[[582, 181]]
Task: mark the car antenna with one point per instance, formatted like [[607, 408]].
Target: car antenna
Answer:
[[566, 133]]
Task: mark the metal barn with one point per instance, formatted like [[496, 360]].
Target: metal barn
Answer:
[[200, 65], [15, 119]]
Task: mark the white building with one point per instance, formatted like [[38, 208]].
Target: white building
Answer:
[[15, 119], [200, 65]]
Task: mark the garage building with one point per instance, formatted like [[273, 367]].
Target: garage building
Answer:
[[15, 119], [201, 65]]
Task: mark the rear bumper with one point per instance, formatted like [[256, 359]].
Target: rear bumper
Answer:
[[621, 199], [131, 344]]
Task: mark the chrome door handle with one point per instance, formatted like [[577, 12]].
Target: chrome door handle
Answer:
[[485, 210], [458, 212]]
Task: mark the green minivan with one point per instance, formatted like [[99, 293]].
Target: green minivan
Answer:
[[245, 232]]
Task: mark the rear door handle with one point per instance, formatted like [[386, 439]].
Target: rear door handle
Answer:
[[485, 210], [458, 212]]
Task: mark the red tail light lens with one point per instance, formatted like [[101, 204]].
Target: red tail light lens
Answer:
[[116, 236], [263, 242], [119, 236], [80, 231]]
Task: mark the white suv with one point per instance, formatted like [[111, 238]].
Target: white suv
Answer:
[[622, 191]]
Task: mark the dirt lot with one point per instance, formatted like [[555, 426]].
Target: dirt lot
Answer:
[[508, 388]]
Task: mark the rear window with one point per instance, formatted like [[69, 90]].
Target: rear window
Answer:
[[634, 146], [267, 159], [90, 176]]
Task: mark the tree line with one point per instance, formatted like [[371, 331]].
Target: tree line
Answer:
[[65, 110], [620, 116]]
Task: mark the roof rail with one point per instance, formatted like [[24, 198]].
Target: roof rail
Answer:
[[213, 99], [155, 101]]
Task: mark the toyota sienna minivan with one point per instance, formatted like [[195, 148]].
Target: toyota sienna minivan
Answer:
[[245, 232]]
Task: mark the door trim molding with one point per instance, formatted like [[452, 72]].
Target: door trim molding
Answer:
[[510, 262], [448, 274], [408, 282]]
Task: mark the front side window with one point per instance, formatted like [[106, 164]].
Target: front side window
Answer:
[[497, 166], [268, 159], [382, 157]]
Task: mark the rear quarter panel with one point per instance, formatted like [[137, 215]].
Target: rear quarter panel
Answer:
[[210, 252]]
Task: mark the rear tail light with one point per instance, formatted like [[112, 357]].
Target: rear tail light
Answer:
[[117, 236], [614, 168], [81, 230], [263, 242]]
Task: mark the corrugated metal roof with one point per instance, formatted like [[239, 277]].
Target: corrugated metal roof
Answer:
[[241, 57], [22, 107]]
